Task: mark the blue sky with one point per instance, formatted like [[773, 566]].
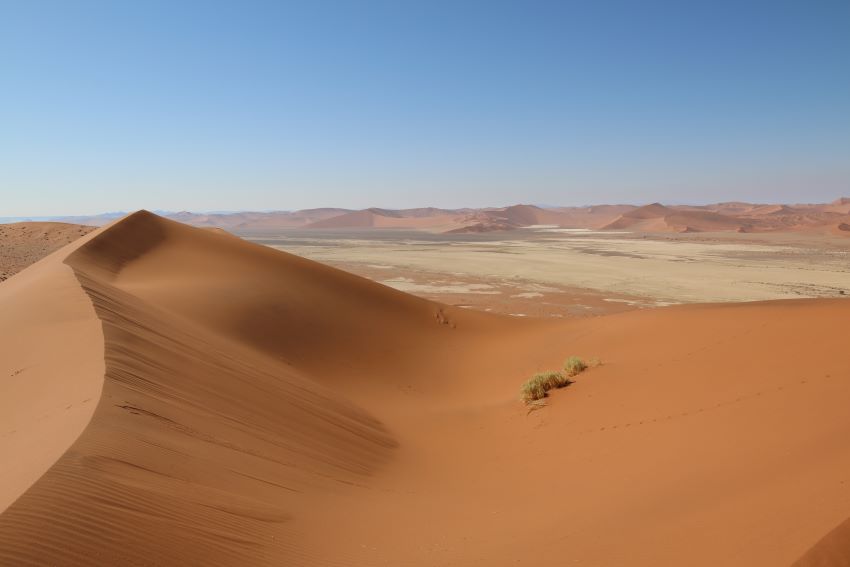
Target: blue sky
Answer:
[[276, 105]]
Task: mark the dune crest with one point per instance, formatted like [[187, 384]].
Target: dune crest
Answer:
[[198, 443], [51, 369]]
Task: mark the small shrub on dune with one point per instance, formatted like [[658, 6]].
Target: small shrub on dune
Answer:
[[574, 365], [532, 390], [539, 384]]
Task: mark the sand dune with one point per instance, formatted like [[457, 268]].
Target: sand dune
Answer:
[[655, 217], [593, 217], [262, 220], [658, 218], [256, 408], [243, 220], [841, 206], [833, 550], [382, 218], [51, 365], [517, 216], [738, 217], [474, 220]]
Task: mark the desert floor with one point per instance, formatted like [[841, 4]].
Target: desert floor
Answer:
[[555, 272]]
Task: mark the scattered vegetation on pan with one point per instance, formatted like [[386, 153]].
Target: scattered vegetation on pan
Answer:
[[535, 389]]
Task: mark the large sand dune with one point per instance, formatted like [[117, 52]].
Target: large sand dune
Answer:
[[175, 396]]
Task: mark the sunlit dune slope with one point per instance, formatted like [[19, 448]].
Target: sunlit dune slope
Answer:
[[51, 369], [261, 409]]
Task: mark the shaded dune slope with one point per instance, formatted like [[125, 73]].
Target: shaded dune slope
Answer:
[[332, 324], [833, 550], [261, 409]]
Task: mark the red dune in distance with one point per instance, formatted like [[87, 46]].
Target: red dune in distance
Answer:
[[649, 218], [250, 220], [658, 218], [655, 217], [177, 396], [383, 218], [721, 217], [473, 220]]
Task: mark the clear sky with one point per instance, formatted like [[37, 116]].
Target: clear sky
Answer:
[[282, 105]]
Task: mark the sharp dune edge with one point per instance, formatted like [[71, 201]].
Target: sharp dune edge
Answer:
[[175, 396]]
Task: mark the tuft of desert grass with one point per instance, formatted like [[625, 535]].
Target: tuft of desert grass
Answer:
[[539, 384], [574, 365]]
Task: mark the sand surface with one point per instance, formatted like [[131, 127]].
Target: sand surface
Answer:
[[257, 408], [51, 370]]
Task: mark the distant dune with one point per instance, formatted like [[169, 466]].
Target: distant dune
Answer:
[[250, 221], [738, 217], [383, 218], [658, 218], [175, 396], [840, 206], [648, 218], [473, 220], [655, 217]]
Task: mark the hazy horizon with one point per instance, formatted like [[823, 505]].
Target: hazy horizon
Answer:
[[273, 106], [12, 218]]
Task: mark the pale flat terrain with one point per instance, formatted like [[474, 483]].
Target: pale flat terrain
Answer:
[[573, 271]]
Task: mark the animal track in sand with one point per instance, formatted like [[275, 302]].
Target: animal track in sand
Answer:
[[683, 414]]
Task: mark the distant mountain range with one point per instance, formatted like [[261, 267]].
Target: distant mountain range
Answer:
[[831, 217]]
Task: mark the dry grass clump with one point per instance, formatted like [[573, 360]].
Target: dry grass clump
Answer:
[[574, 365], [539, 384], [535, 389]]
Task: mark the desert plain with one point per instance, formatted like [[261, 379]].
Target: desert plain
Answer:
[[544, 263], [246, 393]]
